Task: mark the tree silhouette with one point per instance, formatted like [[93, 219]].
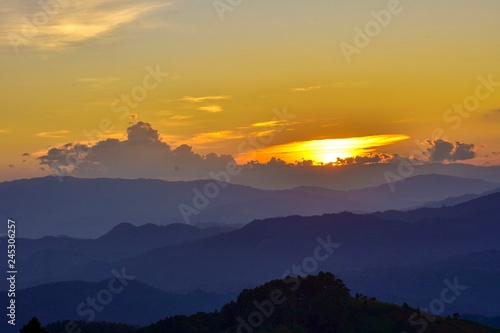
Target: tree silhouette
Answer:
[[34, 326]]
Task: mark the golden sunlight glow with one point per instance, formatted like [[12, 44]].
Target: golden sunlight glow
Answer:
[[324, 151]]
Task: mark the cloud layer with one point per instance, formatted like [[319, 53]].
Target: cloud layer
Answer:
[[142, 155]]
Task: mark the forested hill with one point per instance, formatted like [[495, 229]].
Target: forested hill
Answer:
[[314, 304]]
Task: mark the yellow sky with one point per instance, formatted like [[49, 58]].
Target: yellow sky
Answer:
[[66, 76]]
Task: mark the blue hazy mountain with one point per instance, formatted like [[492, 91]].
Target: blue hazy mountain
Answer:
[[381, 254], [449, 242], [87, 208], [52, 259], [133, 302]]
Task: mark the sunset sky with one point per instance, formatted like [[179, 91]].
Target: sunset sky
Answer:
[[79, 67]]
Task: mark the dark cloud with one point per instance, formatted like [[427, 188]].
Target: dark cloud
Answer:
[[276, 162], [444, 151], [26, 154], [440, 150], [142, 154], [463, 151], [368, 159], [12, 166], [143, 133]]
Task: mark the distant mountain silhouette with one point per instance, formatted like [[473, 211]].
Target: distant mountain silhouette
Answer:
[[453, 201], [136, 304], [421, 284], [52, 259], [266, 249], [381, 254], [87, 208], [484, 207], [355, 176]]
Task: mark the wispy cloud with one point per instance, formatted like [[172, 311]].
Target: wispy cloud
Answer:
[[70, 22], [53, 134], [4, 130], [336, 85], [180, 117], [268, 123], [212, 137], [203, 99], [304, 89], [267, 128], [211, 108]]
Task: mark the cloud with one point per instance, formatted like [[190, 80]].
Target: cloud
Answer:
[[143, 132], [211, 137], [67, 23], [211, 108], [12, 166], [304, 89], [444, 151], [204, 98], [3, 131], [368, 159], [268, 128], [179, 117], [347, 84], [268, 123], [142, 154], [52, 135]]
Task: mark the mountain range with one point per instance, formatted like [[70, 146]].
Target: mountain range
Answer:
[[88, 208], [394, 256]]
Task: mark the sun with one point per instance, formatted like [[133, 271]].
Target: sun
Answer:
[[324, 151], [329, 150]]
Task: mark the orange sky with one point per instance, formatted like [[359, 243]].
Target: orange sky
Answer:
[[81, 71]]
